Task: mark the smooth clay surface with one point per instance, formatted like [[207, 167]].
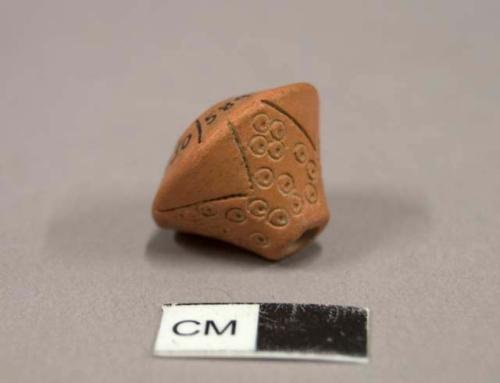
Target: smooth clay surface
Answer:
[[247, 171]]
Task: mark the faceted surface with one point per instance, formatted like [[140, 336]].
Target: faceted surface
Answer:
[[247, 171]]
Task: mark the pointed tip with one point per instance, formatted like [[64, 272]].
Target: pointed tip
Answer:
[[294, 88], [300, 102]]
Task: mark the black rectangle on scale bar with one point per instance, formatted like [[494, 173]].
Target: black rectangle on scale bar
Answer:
[[265, 330]]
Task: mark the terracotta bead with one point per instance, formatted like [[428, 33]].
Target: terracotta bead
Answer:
[[248, 172]]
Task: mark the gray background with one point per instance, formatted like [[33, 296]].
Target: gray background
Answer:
[[93, 95]]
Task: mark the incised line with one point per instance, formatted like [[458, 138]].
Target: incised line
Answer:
[[198, 127], [237, 141], [229, 196], [283, 111]]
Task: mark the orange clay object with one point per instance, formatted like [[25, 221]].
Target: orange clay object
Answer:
[[248, 172]]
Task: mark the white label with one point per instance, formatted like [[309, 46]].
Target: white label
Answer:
[[197, 329]]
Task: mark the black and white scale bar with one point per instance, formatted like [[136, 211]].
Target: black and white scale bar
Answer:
[[264, 330]]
